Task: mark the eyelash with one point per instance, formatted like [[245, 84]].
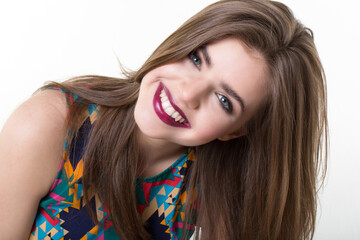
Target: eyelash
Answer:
[[222, 98], [196, 60]]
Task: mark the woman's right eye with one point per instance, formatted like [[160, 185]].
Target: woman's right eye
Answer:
[[194, 57]]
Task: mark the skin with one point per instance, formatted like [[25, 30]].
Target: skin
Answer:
[[195, 87], [32, 140], [31, 145]]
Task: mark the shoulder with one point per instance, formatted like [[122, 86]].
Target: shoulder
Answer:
[[32, 139], [31, 146], [40, 108]]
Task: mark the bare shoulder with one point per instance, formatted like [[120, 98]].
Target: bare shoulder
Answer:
[[31, 145], [34, 134]]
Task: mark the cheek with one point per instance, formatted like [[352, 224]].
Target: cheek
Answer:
[[213, 129]]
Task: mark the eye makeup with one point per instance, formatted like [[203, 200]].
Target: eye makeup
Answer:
[[225, 103]]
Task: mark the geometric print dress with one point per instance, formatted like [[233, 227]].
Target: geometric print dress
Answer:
[[62, 214]]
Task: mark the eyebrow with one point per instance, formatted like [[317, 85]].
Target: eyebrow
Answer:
[[233, 94], [206, 55], [224, 86]]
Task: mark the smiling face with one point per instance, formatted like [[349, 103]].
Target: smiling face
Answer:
[[209, 95]]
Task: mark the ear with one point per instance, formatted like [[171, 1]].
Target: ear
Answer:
[[238, 133]]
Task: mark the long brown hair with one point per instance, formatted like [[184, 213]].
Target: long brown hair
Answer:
[[259, 186]]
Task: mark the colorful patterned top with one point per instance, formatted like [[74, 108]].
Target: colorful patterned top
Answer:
[[62, 214]]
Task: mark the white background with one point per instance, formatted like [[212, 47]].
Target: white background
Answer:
[[43, 40]]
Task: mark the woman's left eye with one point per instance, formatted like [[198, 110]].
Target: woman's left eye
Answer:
[[195, 58], [225, 103]]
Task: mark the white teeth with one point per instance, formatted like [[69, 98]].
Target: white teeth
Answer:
[[168, 108], [175, 114], [169, 111], [166, 104]]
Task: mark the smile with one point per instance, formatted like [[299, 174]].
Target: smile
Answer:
[[167, 110]]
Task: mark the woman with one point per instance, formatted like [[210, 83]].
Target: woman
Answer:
[[220, 129]]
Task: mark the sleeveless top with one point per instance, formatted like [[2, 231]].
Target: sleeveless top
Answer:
[[62, 214]]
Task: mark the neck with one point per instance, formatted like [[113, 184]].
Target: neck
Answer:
[[158, 154]]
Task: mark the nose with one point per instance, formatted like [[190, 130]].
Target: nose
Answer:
[[194, 92]]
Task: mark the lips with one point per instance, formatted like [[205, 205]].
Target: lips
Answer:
[[163, 99]]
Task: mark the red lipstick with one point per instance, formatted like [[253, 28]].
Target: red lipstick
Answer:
[[162, 114]]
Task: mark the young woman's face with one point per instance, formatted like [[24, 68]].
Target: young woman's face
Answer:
[[209, 95]]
